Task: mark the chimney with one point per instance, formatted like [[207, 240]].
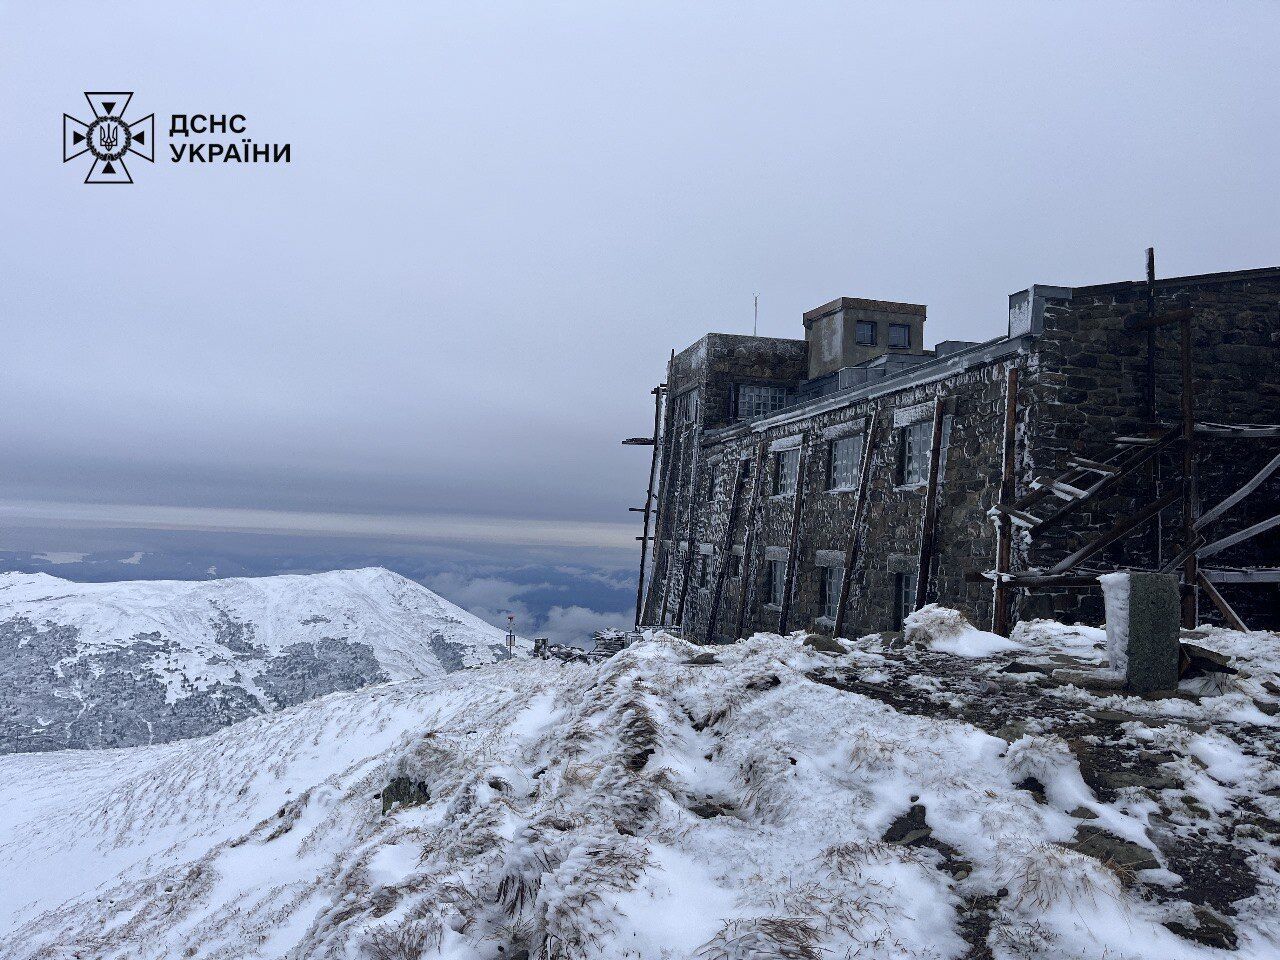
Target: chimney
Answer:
[[849, 331]]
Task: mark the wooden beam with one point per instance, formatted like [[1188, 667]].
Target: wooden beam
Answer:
[[929, 521], [674, 508], [793, 550], [1190, 581], [1142, 454], [1235, 538], [1149, 386], [746, 586], [648, 503], [1209, 516], [1247, 575], [851, 549], [726, 547], [1119, 531], [1001, 614], [1224, 608], [1240, 431], [1066, 581]]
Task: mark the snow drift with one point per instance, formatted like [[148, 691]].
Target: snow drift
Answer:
[[122, 664], [672, 802]]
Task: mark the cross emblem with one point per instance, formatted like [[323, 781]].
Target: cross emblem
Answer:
[[108, 137]]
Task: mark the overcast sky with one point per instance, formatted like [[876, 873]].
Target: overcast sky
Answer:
[[499, 218]]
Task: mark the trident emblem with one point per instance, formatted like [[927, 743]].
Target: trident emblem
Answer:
[[109, 134]]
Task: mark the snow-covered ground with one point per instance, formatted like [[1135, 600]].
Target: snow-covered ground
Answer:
[[765, 800], [121, 664]]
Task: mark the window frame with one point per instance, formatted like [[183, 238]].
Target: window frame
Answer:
[[776, 582], [899, 327], [858, 327], [855, 462], [792, 457], [764, 399], [922, 430], [829, 592], [686, 406], [904, 599]]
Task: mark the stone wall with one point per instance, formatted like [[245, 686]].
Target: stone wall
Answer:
[[1090, 386], [893, 520]]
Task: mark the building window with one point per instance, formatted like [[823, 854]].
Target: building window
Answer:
[[703, 563], [865, 333], [735, 566], [900, 335], [843, 469], [829, 591], [711, 483], [777, 581], [757, 401], [687, 406], [786, 471], [913, 453]]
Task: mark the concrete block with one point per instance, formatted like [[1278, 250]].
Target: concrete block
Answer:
[[1154, 622]]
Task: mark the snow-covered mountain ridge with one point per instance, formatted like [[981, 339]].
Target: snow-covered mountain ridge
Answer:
[[121, 664], [766, 800]]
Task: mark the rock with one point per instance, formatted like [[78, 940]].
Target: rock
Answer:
[[1033, 787], [908, 829], [1120, 854], [816, 641], [1013, 731], [1083, 813], [702, 660], [405, 792], [1017, 667], [1111, 716], [1211, 929], [1102, 679]]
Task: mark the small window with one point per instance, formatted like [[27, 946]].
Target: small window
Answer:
[[865, 333], [755, 400], [687, 406], [904, 598], [786, 471], [777, 577], [913, 453], [900, 335], [845, 457], [829, 591], [703, 564], [735, 566]]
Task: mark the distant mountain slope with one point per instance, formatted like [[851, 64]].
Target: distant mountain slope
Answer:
[[89, 665]]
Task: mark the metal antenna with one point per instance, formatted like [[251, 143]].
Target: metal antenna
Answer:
[[755, 323]]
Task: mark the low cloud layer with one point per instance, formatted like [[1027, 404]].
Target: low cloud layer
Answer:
[[494, 599]]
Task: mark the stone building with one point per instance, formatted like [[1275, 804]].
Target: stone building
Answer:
[[810, 483]]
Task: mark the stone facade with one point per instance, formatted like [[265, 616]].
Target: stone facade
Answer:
[[1082, 382]]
